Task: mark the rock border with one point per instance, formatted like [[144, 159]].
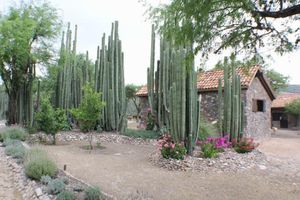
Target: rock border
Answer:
[[72, 136]]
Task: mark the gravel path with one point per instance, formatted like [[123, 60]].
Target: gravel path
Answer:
[[121, 169], [7, 188]]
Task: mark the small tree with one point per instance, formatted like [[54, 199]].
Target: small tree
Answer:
[[130, 91], [88, 112], [294, 108], [50, 120]]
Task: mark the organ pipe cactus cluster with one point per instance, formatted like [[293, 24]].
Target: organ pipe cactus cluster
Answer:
[[172, 93], [69, 80], [107, 77], [230, 105], [3, 103], [109, 80]]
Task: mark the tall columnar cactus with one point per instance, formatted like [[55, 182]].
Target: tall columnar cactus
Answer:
[[172, 93], [231, 105], [109, 80], [71, 77], [3, 102]]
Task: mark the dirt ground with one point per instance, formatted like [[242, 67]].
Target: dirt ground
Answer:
[[121, 169]]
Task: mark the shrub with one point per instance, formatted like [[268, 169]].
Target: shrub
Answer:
[[35, 153], [9, 142], [170, 149], [50, 120], [150, 122], [88, 112], [56, 186], [37, 164], [15, 150], [245, 145], [45, 179], [92, 193], [14, 133], [66, 195], [209, 151]]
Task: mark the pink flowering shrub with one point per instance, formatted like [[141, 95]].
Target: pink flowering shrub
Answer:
[[170, 149], [219, 143], [213, 145], [245, 145]]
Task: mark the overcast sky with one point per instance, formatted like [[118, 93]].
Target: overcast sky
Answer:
[[94, 17]]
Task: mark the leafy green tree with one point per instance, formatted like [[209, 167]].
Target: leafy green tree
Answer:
[[88, 112], [294, 108], [277, 80], [50, 120], [215, 25], [26, 35], [130, 91]]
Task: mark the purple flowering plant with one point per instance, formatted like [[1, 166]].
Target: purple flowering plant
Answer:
[[219, 143]]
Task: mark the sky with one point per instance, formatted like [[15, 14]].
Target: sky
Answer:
[[94, 17]]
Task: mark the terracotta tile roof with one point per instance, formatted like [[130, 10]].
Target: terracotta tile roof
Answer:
[[284, 98], [142, 91], [208, 81]]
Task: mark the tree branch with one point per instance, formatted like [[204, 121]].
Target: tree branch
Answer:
[[287, 12]]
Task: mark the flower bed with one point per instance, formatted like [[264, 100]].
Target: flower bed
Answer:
[[227, 161]]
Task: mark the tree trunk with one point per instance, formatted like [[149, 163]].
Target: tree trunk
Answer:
[[12, 107]]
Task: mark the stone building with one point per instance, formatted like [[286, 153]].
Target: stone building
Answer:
[[280, 118], [257, 95]]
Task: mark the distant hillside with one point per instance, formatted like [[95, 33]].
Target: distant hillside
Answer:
[[292, 89]]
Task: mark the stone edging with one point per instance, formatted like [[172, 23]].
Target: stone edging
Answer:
[[29, 189]]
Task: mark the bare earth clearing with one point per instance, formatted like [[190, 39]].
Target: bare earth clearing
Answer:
[[121, 169]]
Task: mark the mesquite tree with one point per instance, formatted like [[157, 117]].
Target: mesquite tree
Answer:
[[25, 40], [172, 92]]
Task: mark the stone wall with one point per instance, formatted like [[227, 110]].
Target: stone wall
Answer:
[[257, 124], [209, 105]]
